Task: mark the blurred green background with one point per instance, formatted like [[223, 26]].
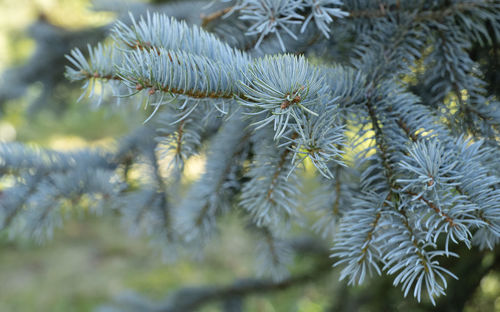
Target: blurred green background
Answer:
[[92, 259]]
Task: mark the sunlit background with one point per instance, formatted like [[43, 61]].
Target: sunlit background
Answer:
[[93, 259]]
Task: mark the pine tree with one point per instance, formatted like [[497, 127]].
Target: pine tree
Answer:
[[393, 105]]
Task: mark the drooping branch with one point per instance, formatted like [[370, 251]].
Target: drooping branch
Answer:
[[193, 298]]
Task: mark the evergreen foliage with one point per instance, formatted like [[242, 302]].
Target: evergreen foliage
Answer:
[[383, 98]]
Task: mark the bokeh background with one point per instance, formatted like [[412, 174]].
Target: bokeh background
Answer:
[[92, 258]]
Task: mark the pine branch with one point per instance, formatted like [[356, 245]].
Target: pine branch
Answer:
[[210, 195], [194, 298], [206, 19], [424, 15], [185, 300], [383, 11]]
